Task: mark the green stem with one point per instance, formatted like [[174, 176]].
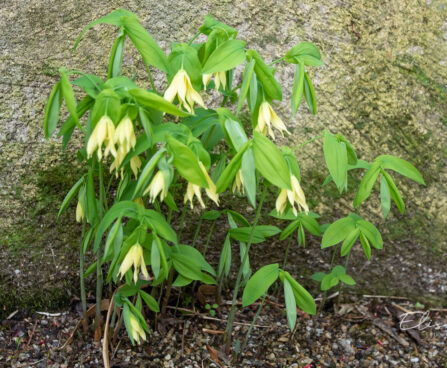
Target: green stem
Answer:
[[210, 234], [276, 61], [81, 273], [307, 142], [323, 299], [192, 39], [340, 286], [182, 221], [150, 77], [229, 328], [196, 235], [244, 344], [287, 253], [224, 101]]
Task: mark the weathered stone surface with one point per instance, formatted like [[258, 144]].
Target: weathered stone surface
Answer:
[[383, 86]]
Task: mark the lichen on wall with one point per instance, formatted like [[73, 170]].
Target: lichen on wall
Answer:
[[383, 86]]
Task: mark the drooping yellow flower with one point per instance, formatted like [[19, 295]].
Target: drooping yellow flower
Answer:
[[296, 195], [137, 331], [134, 257], [135, 164], [156, 187], [119, 158], [238, 184], [182, 88], [125, 135], [103, 133], [194, 189], [79, 212], [268, 118], [219, 78]]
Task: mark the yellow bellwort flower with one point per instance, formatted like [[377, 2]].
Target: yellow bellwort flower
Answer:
[[119, 158], [156, 187], [182, 88], [135, 164], [268, 118], [193, 189], [134, 257], [125, 135], [79, 212], [296, 195], [137, 331], [103, 133], [238, 184], [220, 78]]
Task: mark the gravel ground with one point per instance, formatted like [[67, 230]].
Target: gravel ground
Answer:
[[351, 332]]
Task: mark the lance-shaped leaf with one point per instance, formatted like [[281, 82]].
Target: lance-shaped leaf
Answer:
[[210, 24], [52, 110], [270, 162], [371, 232], [365, 245], [159, 225], [309, 94], [226, 56], [186, 266], [402, 167], [336, 160], [154, 101], [298, 87], [150, 51], [302, 296], [264, 74], [349, 241], [337, 231], [367, 183], [385, 197], [72, 192], [246, 79], [394, 192], [248, 169], [68, 94], [306, 53], [259, 283], [289, 298], [186, 162], [116, 56], [227, 176], [150, 301], [146, 173], [225, 258]]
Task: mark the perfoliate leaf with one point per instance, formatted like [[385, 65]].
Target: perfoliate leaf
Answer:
[[336, 159], [306, 53], [226, 56], [52, 110], [337, 232], [259, 283]]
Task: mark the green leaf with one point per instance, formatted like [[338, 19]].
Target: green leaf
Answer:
[[267, 230], [394, 192], [150, 51], [121, 209], [348, 280], [227, 176], [310, 224], [159, 224], [306, 53], [367, 184], [236, 133], [329, 281], [90, 84], [300, 236], [87, 239], [150, 301], [211, 215], [349, 242], [242, 234], [236, 217], [336, 160], [68, 94], [309, 94], [91, 210], [186, 162], [264, 74], [210, 24], [116, 56], [198, 258], [113, 18], [270, 162], [154, 101], [72, 192], [181, 281], [338, 270], [365, 246], [146, 173], [385, 197], [115, 233], [289, 298], [298, 87], [248, 169], [226, 56], [225, 258], [52, 110], [402, 167], [107, 103], [259, 283], [155, 259], [186, 267], [289, 229], [318, 276], [337, 232], [302, 296], [246, 79], [371, 232]]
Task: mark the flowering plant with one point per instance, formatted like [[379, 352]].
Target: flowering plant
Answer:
[[160, 146]]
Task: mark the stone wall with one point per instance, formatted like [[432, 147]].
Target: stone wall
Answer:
[[383, 86]]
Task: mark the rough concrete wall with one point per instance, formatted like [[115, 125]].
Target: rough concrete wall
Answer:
[[383, 85]]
